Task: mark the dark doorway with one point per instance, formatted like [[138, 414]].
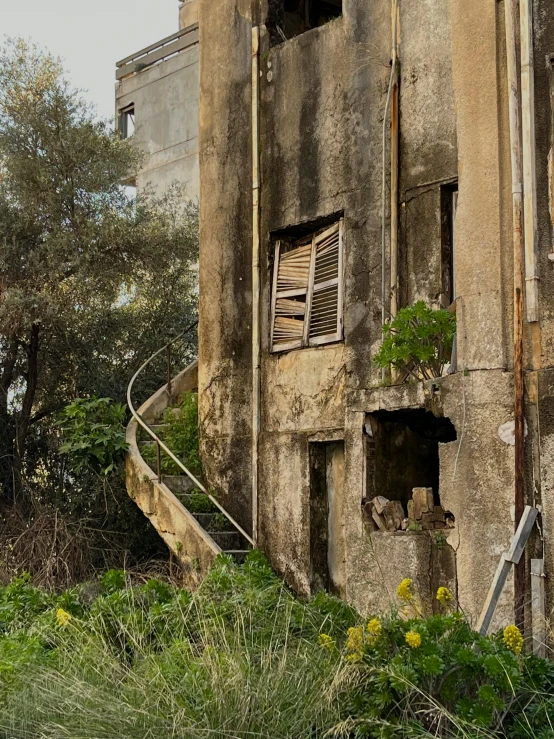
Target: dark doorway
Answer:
[[402, 453], [326, 517]]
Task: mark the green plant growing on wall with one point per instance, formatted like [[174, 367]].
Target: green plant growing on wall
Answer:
[[93, 431], [418, 342]]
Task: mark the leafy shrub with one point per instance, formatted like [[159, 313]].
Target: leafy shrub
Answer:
[[418, 341], [180, 434], [93, 432]]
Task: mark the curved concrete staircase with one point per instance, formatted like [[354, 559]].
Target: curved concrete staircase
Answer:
[[194, 533]]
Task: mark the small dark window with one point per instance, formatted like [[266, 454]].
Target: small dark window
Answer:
[[127, 121], [449, 205], [288, 18]]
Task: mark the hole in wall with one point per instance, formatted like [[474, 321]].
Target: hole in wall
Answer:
[[402, 453], [289, 18]]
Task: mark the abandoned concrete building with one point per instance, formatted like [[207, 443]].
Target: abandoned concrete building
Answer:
[[157, 102], [339, 182]]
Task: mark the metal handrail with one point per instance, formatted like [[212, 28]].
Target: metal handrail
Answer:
[[159, 442]]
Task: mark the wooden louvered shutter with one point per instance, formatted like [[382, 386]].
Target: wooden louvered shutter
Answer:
[[290, 290], [325, 302], [306, 302]]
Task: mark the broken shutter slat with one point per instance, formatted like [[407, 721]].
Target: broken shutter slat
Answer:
[[286, 307]]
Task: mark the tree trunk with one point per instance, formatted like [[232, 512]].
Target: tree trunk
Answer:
[[7, 428], [23, 420]]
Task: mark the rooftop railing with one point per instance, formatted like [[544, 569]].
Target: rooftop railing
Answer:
[[158, 52]]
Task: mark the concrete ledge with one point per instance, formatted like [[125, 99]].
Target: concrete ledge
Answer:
[[192, 546]]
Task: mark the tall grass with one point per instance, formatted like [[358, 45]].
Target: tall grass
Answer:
[[237, 659]]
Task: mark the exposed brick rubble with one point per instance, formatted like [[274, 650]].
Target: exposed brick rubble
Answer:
[[381, 514]]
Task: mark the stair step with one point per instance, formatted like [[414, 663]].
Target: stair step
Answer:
[[227, 540], [186, 499], [239, 555], [212, 521]]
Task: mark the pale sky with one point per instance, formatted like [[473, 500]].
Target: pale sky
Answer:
[[91, 35]]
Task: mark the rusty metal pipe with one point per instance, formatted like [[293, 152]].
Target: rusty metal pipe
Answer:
[[256, 339], [168, 358]]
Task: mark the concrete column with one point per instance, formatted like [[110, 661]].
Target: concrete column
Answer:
[[188, 13]]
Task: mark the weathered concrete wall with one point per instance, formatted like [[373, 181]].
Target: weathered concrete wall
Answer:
[[166, 119], [483, 224], [188, 13], [322, 101], [225, 383]]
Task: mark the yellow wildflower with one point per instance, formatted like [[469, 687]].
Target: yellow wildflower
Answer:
[[354, 657], [444, 596], [404, 590], [374, 629], [355, 640], [513, 639], [62, 617], [413, 639], [326, 641]]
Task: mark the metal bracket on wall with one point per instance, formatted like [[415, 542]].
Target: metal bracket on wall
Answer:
[[508, 559]]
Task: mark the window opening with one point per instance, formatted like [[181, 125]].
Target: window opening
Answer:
[[307, 302], [127, 121], [327, 543], [289, 18], [402, 454], [449, 205]]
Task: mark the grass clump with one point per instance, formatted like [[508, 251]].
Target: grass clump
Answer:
[[243, 658]]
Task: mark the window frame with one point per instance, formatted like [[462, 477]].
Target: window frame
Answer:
[[126, 113], [312, 288]]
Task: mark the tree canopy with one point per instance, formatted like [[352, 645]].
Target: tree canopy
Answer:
[[92, 279]]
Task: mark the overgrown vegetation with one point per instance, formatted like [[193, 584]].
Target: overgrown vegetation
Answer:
[[93, 431], [180, 433], [418, 342], [93, 281], [242, 658]]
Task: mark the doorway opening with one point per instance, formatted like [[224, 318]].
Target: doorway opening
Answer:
[[327, 546]]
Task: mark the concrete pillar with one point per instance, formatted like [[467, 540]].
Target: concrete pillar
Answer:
[[188, 13]]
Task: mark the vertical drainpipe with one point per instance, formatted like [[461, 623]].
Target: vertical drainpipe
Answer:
[[517, 234], [255, 275], [394, 169], [392, 79], [529, 160]]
